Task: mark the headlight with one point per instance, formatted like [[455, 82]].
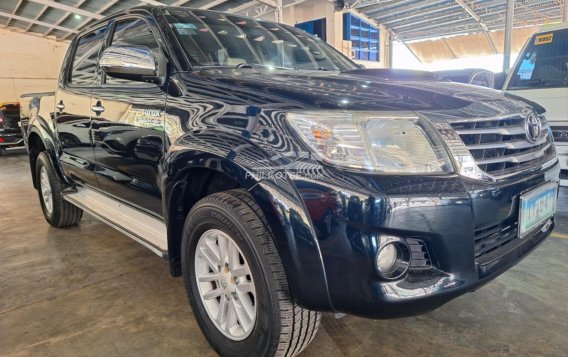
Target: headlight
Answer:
[[384, 142]]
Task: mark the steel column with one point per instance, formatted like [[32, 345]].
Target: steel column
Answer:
[[279, 11], [391, 50], [508, 35]]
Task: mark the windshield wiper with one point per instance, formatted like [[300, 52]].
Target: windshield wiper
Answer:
[[258, 65]]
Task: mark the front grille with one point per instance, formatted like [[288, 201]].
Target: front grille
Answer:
[[490, 240], [500, 146]]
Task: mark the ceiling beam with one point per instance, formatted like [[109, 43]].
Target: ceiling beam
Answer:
[[242, 7], [39, 14], [472, 13], [13, 12], [99, 12], [385, 11], [36, 22], [423, 15], [63, 18], [263, 10], [71, 9], [212, 4], [269, 2], [152, 2], [481, 23]]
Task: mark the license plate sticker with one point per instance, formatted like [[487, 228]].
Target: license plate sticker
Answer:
[[536, 207]]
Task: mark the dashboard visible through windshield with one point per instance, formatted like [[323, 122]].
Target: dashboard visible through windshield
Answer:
[[212, 39]]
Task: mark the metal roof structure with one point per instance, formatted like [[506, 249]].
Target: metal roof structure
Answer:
[[407, 20], [411, 20], [61, 19]]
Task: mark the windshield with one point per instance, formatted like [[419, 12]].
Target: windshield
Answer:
[[544, 63], [216, 39]]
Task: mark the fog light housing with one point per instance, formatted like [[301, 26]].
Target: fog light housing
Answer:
[[393, 260]]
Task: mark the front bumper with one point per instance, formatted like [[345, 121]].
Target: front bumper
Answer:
[[451, 224]]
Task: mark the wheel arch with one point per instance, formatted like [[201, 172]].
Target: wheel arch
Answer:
[[292, 230], [37, 143]]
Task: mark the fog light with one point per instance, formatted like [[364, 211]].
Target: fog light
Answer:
[[386, 259], [393, 260]]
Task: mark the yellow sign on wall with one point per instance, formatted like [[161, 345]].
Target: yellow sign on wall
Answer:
[[543, 39]]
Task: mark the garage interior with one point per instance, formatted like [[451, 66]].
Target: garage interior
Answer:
[[89, 291]]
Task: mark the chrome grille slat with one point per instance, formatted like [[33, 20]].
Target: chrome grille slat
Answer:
[[515, 158], [517, 144], [500, 146], [515, 130]]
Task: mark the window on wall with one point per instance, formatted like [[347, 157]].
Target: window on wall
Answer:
[[364, 38], [315, 27]]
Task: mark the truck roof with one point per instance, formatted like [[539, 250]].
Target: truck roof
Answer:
[[553, 27]]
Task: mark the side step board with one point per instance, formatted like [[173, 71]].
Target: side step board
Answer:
[[143, 228]]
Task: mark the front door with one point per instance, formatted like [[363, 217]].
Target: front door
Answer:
[[128, 128]]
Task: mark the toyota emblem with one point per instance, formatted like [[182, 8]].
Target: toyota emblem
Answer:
[[533, 127]]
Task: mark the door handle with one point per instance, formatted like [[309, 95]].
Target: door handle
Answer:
[[60, 106], [98, 108]]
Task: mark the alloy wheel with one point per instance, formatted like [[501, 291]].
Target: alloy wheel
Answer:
[[225, 284]]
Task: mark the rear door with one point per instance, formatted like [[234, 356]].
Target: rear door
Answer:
[[73, 102], [128, 129]]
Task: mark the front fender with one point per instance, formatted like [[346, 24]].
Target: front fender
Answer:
[[296, 242], [241, 161]]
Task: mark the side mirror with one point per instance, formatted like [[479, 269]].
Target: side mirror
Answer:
[[136, 63]]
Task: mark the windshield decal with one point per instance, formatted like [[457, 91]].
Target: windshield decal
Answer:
[[543, 39]]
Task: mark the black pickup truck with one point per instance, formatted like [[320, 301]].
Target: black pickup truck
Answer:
[[282, 180]]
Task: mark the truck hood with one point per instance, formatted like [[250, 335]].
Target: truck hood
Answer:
[[372, 89]]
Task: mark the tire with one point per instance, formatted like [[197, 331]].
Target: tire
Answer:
[[57, 212], [281, 328]]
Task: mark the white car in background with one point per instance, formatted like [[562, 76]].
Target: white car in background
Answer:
[[541, 75]]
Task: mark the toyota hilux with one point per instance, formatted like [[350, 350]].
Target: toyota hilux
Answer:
[[280, 179]]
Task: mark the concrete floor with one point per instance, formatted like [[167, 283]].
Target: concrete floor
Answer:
[[91, 291]]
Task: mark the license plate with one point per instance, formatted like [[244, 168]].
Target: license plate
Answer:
[[536, 207]]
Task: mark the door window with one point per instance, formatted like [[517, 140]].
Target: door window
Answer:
[[84, 69], [133, 32]]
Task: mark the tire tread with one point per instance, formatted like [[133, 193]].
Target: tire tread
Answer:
[[64, 213], [298, 325]]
